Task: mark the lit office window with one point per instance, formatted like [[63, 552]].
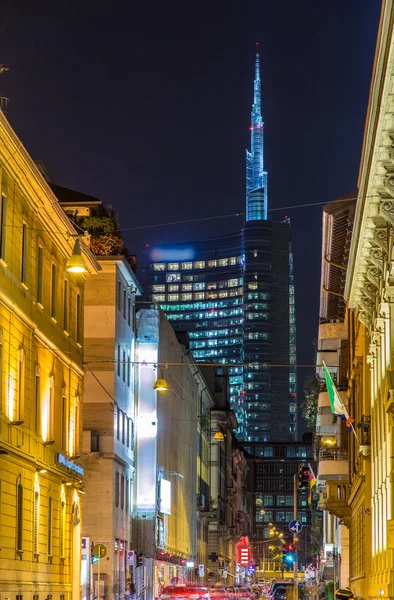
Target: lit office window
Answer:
[[200, 264], [187, 287], [173, 287], [211, 286], [158, 297], [172, 297], [232, 282], [187, 266], [234, 260], [158, 288], [223, 262], [199, 286], [253, 285], [212, 263], [159, 266], [186, 296], [199, 296], [173, 266], [223, 294]]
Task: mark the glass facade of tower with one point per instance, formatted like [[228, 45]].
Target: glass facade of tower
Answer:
[[234, 296]]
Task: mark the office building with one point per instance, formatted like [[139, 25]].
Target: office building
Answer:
[[234, 295]]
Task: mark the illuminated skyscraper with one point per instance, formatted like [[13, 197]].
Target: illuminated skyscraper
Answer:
[[256, 177], [234, 295]]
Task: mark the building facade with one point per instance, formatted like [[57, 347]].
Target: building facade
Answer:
[[273, 467], [109, 418], [41, 344], [332, 436], [234, 295], [369, 293]]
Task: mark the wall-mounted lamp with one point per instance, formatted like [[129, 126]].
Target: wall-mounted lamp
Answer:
[[49, 442], [41, 470], [16, 423], [76, 262], [219, 436]]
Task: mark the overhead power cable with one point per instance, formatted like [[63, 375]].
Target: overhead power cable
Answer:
[[199, 219]]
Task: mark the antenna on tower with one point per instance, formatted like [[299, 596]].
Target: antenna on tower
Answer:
[[3, 99]]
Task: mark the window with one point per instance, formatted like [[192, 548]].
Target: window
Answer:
[[64, 423], [173, 287], [129, 311], [223, 262], [24, 250], [232, 282], [124, 366], [122, 492], [159, 266], [19, 517], [53, 291], [173, 277], [212, 263], [199, 286], [200, 264], [253, 285], [158, 288], [223, 294], [123, 420], [280, 500], [186, 266], [117, 489], [49, 426], [172, 297], [158, 297], [128, 433], [21, 385], [186, 287], [124, 303], [187, 296], [173, 266], [40, 263], [119, 296], [62, 524], [3, 211], [65, 305], [36, 515], [78, 322], [118, 423], [128, 366], [127, 494], [77, 424], [50, 523], [199, 296], [118, 360]]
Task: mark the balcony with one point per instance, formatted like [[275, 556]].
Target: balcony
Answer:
[[333, 464], [336, 502]]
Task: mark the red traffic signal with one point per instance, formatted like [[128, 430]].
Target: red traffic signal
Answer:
[[289, 547]]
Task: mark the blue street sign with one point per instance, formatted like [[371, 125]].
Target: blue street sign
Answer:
[[295, 526]]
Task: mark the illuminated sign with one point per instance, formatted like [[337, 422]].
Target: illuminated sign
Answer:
[[173, 254], [165, 496], [63, 460], [190, 564], [146, 427], [244, 556]]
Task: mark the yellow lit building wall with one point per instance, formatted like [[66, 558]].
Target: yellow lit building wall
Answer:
[[41, 383]]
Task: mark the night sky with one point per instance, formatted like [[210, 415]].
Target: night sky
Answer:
[[146, 105]]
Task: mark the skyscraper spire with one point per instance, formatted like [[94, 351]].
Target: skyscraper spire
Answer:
[[256, 177]]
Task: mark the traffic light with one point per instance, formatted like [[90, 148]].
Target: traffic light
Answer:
[[288, 557], [140, 559], [303, 477]]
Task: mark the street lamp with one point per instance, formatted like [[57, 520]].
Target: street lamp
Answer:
[[76, 262], [161, 385]]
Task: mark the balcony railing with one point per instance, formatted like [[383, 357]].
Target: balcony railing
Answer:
[[333, 454]]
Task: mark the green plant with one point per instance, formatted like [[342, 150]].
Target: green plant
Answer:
[[329, 590], [105, 239], [312, 388]]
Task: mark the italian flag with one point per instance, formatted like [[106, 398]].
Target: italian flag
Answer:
[[338, 408]]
